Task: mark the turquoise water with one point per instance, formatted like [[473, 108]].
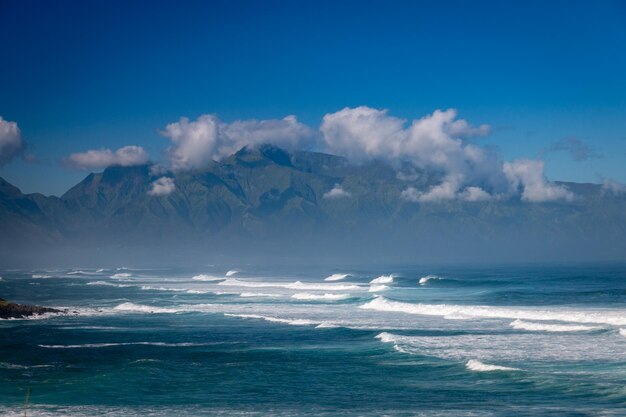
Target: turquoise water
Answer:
[[244, 340]]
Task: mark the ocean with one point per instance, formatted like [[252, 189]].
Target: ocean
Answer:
[[244, 340]]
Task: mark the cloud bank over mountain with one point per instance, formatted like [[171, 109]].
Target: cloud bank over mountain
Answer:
[[439, 143]]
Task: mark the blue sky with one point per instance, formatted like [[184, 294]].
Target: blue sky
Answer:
[[86, 75]]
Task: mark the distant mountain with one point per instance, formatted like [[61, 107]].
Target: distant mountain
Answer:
[[268, 203]]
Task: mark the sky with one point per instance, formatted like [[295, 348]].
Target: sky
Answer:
[[548, 78]]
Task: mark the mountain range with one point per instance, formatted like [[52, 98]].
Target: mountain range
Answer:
[[268, 203]]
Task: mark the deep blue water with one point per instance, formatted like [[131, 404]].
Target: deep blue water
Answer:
[[431, 341]]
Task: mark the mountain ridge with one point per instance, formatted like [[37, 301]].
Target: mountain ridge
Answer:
[[266, 199]]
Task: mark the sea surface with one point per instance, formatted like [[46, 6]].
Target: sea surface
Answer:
[[221, 340]]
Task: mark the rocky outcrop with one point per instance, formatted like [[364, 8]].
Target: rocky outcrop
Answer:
[[20, 311]]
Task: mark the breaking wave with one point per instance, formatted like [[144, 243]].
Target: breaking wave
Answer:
[[293, 322], [232, 272], [336, 277], [612, 317], [424, 280], [204, 277], [378, 288], [383, 279], [478, 366], [542, 327], [138, 308], [322, 297], [298, 285]]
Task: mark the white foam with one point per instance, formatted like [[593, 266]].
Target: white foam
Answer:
[[622, 332], [198, 291], [232, 272], [138, 308], [542, 327], [80, 272], [36, 276], [478, 366], [122, 275], [108, 284], [257, 294], [205, 277], [151, 288], [103, 345], [327, 325], [293, 322], [424, 280], [326, 296], [600, 316], [336, 277], [378, 288], [383, 279], [298, 285]]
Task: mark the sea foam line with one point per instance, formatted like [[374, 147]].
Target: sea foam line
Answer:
[[321, 297], [616, 318], [542, 327], [298, 285], [293, 322]]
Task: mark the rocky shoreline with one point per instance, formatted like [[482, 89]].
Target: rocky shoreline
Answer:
[[20, 311]]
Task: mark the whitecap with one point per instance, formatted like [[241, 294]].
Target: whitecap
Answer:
[[108, 284], [257, 294], [122, 275], [298, 285], [383, 279], [424, 280], [204, 277], [40, 276], [324, 297], [542, 327], [138, 308], [232, 272], [292, 322], [622, 332], [151, 288], [478, 366], [600, 316], [336, 277], [378, 288]]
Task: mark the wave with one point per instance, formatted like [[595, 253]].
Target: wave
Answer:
[[378, 288], [612, 317], [257, 294], [205, 277], [121, 275], [150, 288], [383, 279], [298, 285], [40, 276], [542, 327], [108, 284], [622, 332], [293, 322], [103, 345], [232, 272], [324, 297], [81, 272], [138, 308], [336, 277], [199, 291], [478, 366], [424, 280]]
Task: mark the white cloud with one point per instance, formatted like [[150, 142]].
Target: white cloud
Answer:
[[162, 186], [11, 143], [437, 143], [613, 186], [527, 175], [196, 143], [337, 192], [102, 158]]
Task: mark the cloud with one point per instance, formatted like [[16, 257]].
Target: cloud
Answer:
[[614, 187], [102, 158], [196, 143], [528, 176], [162, 186], [577, 149], [11, 143], [337, 192], [437, 143]]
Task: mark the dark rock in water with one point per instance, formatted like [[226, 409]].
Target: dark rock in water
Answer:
[[20, 311]]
